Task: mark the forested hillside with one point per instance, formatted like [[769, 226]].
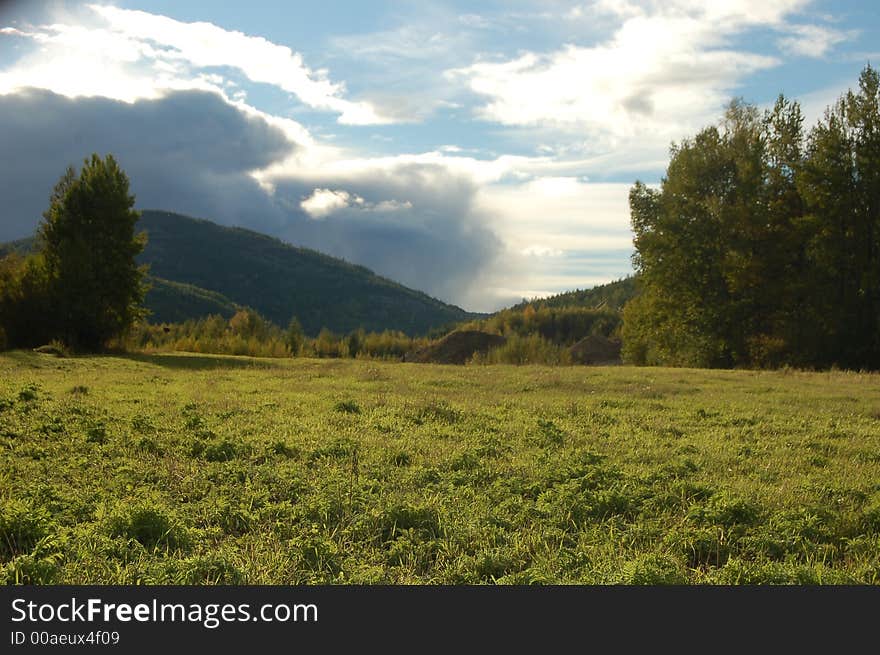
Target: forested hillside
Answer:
[[197, 268]]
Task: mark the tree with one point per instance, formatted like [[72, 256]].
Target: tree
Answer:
[[716, 245], [294, 337], [24, 302], [841, 185], [89, 246], [248, 324], [355, 342], [327, 344]]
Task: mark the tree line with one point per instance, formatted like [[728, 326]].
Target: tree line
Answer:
[[761, 246], [247, 332]]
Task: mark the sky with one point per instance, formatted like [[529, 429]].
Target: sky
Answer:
[[479, 151]]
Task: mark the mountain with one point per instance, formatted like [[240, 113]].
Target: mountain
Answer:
[[281, 281], [175, 302], [198, 267], [612, 296]]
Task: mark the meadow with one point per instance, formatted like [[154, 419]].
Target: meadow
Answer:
[[199, 469]]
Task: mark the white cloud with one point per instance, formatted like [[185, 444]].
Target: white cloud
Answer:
[[560, 213], [390, 206], [658, 74], [663, 70], [811, 40], [538, 250], [324, 202], [135, 54]]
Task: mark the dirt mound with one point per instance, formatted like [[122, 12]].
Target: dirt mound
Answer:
[[49, 350], [595, 350], [456, 348]]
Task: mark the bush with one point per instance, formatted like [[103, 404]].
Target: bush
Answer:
[[347, 407], [422, 519], [21, 527], [531, 349], [653, 569], [30, 569], [153, 526], [211, 569]]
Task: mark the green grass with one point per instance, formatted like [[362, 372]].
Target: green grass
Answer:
[[196, 470]]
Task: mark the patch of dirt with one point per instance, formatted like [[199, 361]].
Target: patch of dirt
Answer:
[[456, 348], [49, 350], [595, 350]]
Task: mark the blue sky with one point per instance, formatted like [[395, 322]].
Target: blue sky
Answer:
[[480, 151]]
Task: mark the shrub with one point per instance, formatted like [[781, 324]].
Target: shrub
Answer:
[[28, 393], [422, 519], [151, 525], [725, 510], [210, 569], [531, 349], [347, 407], [96, 434], [221, 451], [31, 570], [871, 515], [653, 569], [21, 527]]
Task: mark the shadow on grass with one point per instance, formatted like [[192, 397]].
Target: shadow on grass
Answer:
[[187, 362], [30, 358]]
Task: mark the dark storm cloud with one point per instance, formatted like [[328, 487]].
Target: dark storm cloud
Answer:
[[191, 152], [432, 241]]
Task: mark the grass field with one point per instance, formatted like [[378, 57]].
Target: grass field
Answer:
[[189, 469]]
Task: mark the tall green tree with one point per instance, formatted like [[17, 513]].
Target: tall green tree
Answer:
[[89, 245], [712, 245], [841, 186], [294, 337]]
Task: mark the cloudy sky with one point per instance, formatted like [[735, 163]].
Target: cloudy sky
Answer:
[[480, 151]]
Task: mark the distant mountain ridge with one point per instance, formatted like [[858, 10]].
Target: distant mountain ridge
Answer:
[[612, 296], [198, 267]]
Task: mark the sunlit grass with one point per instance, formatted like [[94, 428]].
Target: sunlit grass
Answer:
[[192, 469]]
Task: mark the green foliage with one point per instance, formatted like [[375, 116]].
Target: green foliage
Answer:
[[654, 569], [559, 325], [177, 302], [532, 349], [347, 407], [388, 344], [24, 302], [355, 343], [89, 245], [328, 344], [612, 296], [243, 333], [762, 246], [248, 333], [21, 528], [294, 337], [151, 525]]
